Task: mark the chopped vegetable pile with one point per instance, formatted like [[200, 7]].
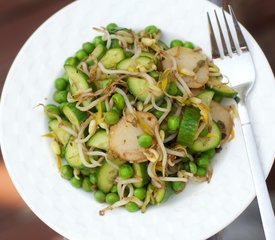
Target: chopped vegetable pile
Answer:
[[137, 120]]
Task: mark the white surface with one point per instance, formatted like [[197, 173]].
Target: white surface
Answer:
[[197, 213]]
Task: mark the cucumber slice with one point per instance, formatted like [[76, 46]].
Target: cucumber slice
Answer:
[[106, 176], [143, 61], [206, 97], [99, 51], [112, 58], [188, 126], [138, 87], [72, 155], [78, 81], [218, 87], [211, 141], [140, 170], [74, 115], [99, 140], [62, 136]]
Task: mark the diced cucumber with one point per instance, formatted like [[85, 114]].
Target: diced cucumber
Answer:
[[99, 51], [206, 97], [188, 126], [223, 90], [101, 84], [143, 61], [72, 155], [73, 114], [62, 135], [140, 170], [99, 140], [106, 176], [211, 141], [112, 58]]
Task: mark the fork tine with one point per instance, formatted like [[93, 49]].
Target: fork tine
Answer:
[[241, 39], [214, 45], [225, 51], [232, 44]]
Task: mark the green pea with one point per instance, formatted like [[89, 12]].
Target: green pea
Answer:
[[145, 140], [125, 171], [71, 61], [140, 193], [66, 172], [188, 45], [111, 117], [154, 74], [111, 198], [176, 43], [128, 54], [186, 166], [193, 167], [203, 161], [157, 114], [60, 84], [88, 47], [178, 186], [201, 172], [76, 182], [132, 207], [115, 43], [111, 27], [118, 100], [87, 185], [93, 178], [114, 188], [81, 54], [60, 96], [210, 153], [173, 123], [98, 40], [172, 88], [51, 108], [62, 105], [151, 29], [99, 196], [86, 171], [115, 109]]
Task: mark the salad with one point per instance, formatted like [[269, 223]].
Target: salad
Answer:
[[136, 120]]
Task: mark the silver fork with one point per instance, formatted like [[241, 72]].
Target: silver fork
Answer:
[[238, 66]]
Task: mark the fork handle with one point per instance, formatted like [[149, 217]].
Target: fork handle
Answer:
[[263, 197]]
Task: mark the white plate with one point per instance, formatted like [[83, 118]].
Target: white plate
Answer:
[[197, 213]]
